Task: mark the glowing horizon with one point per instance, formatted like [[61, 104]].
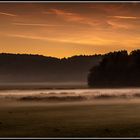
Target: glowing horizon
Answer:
[[67, 29]]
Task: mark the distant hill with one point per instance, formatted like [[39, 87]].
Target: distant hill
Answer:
[[38, 68], [117, 69]]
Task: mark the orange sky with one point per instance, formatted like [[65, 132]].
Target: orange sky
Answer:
[[66, 29]]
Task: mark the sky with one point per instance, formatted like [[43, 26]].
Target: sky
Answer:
[[67, 29]]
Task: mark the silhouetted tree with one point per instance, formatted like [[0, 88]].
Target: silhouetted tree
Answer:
[[116, 69]]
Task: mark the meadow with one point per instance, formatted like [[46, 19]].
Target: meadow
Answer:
[[98, 117]]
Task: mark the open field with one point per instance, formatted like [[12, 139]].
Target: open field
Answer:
[[77, 119]]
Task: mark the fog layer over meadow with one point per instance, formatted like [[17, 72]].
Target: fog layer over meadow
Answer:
[[68, 95]]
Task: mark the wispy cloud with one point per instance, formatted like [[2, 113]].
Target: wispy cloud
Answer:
[[8, 14], [123, 22], [42, 38], [72, 17], [59, 40], [125, 17], [84, 41], [120, 25], [67, 15], [36, 24], [30, 37]]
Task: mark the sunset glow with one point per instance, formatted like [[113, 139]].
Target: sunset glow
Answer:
[[67, 29]]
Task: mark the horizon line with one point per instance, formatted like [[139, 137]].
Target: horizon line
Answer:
[[50, 55], [95, 54]]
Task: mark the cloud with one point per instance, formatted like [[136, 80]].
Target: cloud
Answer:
[[30, 37], [107, 9], [125, 17], [73, 17], [67, 15], [8, 14], [82, 41], [116, 25], [43, 38], [124, 22], [36, 24]]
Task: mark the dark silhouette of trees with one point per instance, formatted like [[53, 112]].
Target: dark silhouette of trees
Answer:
[[38, 68], [116, 69]]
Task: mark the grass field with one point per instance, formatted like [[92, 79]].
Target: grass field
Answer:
[[102, 119]]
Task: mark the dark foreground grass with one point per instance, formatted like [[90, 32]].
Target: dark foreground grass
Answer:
[[70, 120]]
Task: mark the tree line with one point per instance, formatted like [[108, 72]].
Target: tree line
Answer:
[[117, 69], [38, 68]]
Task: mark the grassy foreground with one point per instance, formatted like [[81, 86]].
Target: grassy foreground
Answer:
[[23, 119]]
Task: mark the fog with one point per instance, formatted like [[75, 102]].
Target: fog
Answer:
[[71, 95]]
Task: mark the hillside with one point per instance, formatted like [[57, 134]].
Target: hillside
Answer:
[[38, 68]]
